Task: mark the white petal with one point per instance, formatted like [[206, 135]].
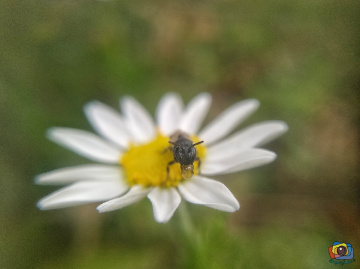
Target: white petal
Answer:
[[137, 120], [85, 144], [244, 160], [82, 193], [210, 193], [195, 113], [164, 202], [255, 135], [228, 120], [168, 113], [134, 195], [89, 172], [107, 122]]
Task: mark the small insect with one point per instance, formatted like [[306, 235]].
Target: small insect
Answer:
[[184, 153]]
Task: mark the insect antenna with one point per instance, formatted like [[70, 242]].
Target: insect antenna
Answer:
[[176, 145], [197, 143]]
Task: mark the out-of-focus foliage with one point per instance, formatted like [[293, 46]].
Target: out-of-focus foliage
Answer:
[[299, 58]]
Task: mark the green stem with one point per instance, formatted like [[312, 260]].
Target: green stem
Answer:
[[191, 238], [186, 223]]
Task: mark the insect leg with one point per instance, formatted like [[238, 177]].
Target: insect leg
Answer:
[[199, 163], [168, 169], [166, 149]]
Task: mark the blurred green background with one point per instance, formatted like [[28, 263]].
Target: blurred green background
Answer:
[[300, 58]]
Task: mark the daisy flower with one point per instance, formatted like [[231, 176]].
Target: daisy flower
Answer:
[[133, 155]]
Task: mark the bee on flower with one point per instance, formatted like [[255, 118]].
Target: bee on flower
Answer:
[[164, 162]]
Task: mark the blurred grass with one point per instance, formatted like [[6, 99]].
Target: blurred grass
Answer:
[[299, 58]]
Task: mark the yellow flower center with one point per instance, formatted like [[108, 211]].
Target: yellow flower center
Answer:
[[147, 164]]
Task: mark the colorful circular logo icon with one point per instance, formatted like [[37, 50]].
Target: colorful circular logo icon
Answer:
[[341, 253]]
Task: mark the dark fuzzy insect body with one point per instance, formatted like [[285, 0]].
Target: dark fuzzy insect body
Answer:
[[184, 152]]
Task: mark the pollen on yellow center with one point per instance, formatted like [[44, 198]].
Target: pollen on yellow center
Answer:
[[146, 164]]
